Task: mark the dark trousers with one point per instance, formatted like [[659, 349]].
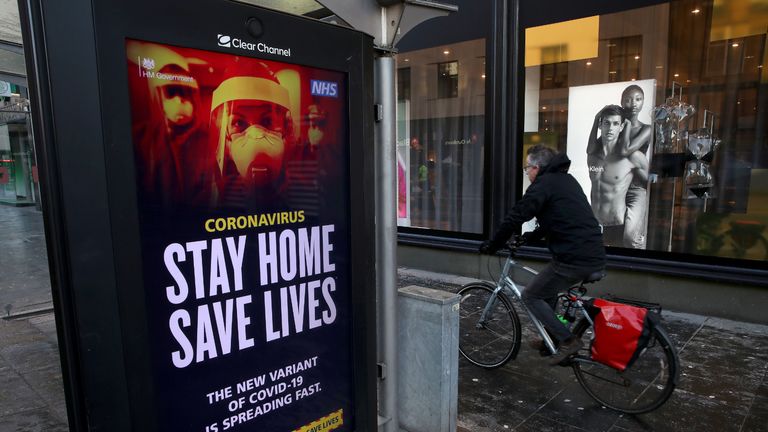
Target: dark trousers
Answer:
[[540, 296]]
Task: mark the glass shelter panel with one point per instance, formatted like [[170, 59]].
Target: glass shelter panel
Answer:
[[18, 170], [664, 112], [440, 136]]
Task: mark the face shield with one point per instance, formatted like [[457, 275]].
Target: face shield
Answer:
[[251, 123], [179, 104], [316, 125], [173, 91]]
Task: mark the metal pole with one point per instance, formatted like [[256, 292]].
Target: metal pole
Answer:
[[386, 238]]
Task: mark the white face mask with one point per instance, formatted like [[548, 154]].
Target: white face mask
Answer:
[[315, 135], [257, 154], [178, 110]]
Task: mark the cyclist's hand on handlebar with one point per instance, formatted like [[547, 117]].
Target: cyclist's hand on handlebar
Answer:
[[516, 241], [526, 238], [488, 248]]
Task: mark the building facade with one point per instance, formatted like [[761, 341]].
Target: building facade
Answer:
[[683, 192], [476, 89], [18, 167]]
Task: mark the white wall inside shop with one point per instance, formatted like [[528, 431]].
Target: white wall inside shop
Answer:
[[532, 86]]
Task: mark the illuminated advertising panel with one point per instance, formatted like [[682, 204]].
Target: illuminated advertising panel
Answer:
[[242, 175]]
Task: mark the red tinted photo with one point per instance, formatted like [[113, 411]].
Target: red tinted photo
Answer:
[[228, 132]]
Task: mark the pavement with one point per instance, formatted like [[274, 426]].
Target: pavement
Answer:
[[723, 384], [24, 280]]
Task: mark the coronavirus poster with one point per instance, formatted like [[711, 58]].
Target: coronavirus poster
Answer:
[[243, 193]]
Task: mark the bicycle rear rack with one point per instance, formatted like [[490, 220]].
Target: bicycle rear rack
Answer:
[[654, 307]]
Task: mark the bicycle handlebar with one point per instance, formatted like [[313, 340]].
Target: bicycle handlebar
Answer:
[[514, 243]]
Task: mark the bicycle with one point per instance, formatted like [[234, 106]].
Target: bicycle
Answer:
[[490, 336]]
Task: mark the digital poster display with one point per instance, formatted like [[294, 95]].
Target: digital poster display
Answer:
[[242, 171]]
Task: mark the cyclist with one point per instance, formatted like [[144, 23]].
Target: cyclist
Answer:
[[573, 235]]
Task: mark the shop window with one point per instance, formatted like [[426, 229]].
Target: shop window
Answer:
[[695, 186], [624, 58], [17, 163], [554, 75], [440, 138], [404, 84], [448, 80], [441, 122]]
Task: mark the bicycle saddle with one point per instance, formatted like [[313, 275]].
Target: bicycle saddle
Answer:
[[594, 277]]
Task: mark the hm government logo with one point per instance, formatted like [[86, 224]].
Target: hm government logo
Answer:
[[230, 42], [146, 71], [224, 40]]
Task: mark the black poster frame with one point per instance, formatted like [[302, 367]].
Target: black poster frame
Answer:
[[78, 83]]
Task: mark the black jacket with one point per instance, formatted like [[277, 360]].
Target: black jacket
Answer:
[[564, 215]]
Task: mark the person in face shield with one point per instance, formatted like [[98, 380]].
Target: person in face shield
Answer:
[[315, 129], [174, 164], [251, 127], [307, 164]]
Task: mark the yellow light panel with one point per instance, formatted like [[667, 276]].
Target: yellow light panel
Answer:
[[560, 42]]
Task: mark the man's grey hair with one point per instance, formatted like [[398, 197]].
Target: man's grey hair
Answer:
[[541, 155]]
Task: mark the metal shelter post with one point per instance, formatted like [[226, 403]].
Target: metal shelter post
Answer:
[[387, 21]]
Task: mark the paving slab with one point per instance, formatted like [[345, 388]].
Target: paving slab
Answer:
[[16, 395], [31, 384], [39, 420], [755, 422], [24, 281], [30, 356]]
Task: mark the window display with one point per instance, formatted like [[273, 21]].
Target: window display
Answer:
[[442, 122], [441, 128], [663, 111]]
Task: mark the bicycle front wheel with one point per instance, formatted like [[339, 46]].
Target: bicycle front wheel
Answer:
[[488, 341], [641, 388]]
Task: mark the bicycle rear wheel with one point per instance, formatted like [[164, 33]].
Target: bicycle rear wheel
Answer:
[[641, 388], [492, 342]]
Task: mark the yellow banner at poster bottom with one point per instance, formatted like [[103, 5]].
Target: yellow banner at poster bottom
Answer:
[[330, 422]]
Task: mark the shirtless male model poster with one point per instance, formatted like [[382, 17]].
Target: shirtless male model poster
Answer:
[[610, 145]]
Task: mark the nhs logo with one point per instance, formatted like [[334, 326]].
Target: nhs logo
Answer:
[[324, 88]]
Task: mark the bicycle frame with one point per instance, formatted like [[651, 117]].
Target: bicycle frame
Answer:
[[650, 383], [507, 283]]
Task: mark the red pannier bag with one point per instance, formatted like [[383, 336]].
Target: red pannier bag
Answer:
[[622, 331]]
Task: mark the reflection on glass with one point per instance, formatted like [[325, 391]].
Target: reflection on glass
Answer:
[[18, 181], [698, 178], [702, 143], [720, 56], [440, 137], [670, 124], [746, 234]]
